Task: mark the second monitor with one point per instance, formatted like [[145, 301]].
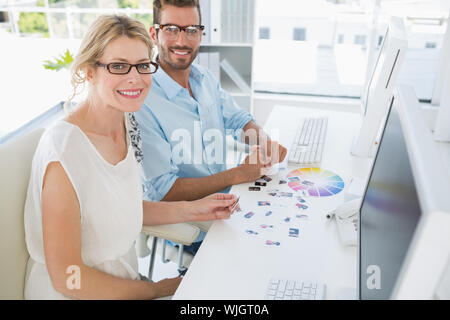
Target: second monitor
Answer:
[[379, 91]]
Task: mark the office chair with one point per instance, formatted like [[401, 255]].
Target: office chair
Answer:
[[203, 226], [15, 166], [181, 233]]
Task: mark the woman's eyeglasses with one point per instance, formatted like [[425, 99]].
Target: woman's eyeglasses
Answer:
[[125, 68]]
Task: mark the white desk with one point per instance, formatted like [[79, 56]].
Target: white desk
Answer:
[[232, 264]]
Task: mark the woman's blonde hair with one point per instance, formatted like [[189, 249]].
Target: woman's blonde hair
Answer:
[[101, 32]]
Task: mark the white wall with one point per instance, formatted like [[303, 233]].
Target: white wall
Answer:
[[264, 103]]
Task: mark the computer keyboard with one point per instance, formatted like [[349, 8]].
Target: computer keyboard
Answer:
[[283, 289], [308, 143]]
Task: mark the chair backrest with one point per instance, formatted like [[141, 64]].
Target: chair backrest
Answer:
[[15, 166]]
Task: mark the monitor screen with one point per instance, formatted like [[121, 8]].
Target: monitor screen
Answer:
[[389, 214]]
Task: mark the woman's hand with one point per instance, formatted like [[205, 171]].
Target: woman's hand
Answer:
[[213, 207], [167, 287]]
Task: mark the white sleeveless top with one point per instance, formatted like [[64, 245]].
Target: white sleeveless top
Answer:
[[110, 198]]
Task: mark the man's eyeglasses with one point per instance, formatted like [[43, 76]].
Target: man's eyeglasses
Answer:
[[171, 31], [125, 68]]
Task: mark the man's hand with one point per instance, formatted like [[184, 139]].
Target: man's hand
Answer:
[[273, 152], [253, 168]]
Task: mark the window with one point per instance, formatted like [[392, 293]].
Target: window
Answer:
[[64, 23], [322, 45], [313, 43], [264, 33], [299, 34], [360, 39]]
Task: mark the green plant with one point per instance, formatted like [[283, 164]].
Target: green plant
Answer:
[[63, 61], [33, 22], [128, 3], [146, 19]]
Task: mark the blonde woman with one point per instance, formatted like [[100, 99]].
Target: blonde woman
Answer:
[[84, 208]]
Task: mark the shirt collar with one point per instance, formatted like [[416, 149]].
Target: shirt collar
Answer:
[[170, 87], [196, 74]]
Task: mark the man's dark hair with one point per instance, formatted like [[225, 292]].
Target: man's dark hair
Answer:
[[159, 4]]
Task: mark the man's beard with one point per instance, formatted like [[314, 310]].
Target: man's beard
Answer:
[[164, 55]]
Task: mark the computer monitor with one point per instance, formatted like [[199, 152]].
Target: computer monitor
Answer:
[[403, 241], [389, 214], [378, 94], [442, 128], [427, 264]]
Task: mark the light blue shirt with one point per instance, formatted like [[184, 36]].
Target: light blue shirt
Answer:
[[183, 137]]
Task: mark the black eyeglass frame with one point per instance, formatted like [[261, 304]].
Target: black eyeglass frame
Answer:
[[130, 66], [161, 26]]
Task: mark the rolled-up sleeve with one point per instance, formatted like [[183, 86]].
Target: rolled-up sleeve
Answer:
[[159, 173], [235, 118], [157, 188]]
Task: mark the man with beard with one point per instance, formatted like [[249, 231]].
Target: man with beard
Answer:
[[187, 115]]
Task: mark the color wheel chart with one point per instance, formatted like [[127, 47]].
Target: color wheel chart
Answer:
[[316, 182]]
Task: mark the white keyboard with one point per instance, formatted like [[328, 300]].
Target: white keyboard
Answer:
[[283, 289], [308, 143]]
